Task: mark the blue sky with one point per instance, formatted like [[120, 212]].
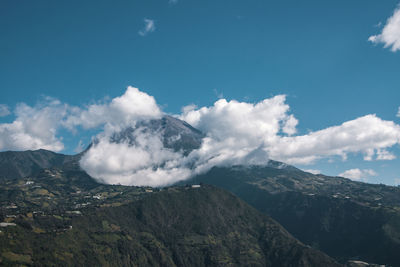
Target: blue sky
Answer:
[[316, 53]]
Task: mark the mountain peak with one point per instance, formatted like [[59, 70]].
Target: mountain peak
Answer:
[[175, 134]]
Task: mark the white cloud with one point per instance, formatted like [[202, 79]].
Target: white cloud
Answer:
[[34, 127], [313, 171], [149, 26], [147, 162], [369, 135], [390, 35], [289, 126], [37, 127], [121, 112], [239, 128], [397, 181], [383, 154], [235, 133], [241, 133], [358, 175], [172, 2], [4, 111], [398, 113], [245, 122]]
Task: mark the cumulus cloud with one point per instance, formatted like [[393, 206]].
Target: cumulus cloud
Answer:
[[246, 122], [234, 130], [121, 112], [358, 175], [398, 113], [146, 162], [390, 35], [369, 135], [241, 128], [238, 132], [149, 26], [38, 126], [4, 111], [34, 127], [289, 125]]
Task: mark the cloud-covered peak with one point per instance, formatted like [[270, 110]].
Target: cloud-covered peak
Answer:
[[138, 144], [146, 162]]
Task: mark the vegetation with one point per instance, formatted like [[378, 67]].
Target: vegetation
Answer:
[[53, 213], [178, 226], [343, 218]]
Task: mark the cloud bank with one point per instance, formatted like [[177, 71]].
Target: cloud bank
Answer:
[[266, 127], [234, 133], [390, 35], [237, 133]]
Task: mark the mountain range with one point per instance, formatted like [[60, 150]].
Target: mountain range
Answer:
[[55, 213]]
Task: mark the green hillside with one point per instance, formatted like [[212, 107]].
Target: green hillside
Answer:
[[178, 226], [343, 218]]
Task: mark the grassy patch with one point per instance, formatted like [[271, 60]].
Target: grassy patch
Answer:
[[14, 257]]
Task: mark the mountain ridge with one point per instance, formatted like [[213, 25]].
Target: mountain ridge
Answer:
[[178, 226], [350, 220]]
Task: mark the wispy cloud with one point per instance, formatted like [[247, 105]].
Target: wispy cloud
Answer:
[[80, 147], [358, 175], [149, 26], [390, 35], [173, 2], [4, 111], [218, 94]]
